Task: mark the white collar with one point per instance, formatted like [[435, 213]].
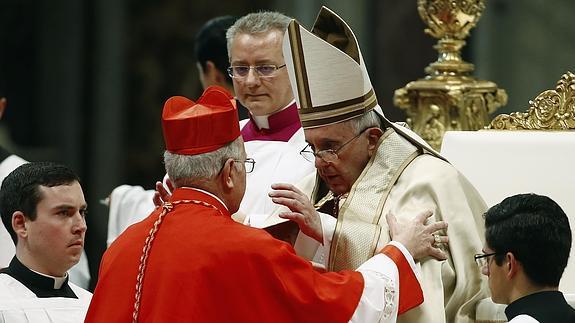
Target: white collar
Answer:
[[262, 121], [208, 193], [58, 281]]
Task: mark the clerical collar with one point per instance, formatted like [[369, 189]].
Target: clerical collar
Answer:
[[58, 281], [40, 284], [279, 126], [207, 193], [263, 122]]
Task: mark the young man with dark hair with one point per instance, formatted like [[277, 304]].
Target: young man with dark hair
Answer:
[[527, 245], [43, 208]]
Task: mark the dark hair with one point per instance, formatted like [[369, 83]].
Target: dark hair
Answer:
[[20, 189], [536, 230], [211, 44]]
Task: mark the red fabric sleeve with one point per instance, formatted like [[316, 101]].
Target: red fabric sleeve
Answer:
[[410, 293]]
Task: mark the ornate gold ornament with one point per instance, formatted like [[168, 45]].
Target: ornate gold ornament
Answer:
[[448, 98], [550, 110]]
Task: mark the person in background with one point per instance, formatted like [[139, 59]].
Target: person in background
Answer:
[[43, 208], [188, 261], [210, 48], [527, 245], [273, 134]]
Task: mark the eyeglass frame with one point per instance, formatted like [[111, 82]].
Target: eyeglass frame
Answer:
[[330, 152], [255, 68], [248, 161], [480, 258]]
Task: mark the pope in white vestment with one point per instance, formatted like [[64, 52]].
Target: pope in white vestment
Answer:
[[426, 183], [401, 174]]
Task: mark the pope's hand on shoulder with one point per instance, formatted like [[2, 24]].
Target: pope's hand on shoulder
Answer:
[[420, 239], [301, 212]]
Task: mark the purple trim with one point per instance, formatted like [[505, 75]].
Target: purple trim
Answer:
[[283, 125]]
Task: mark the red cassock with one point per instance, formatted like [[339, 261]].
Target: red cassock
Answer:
[[204, 267]]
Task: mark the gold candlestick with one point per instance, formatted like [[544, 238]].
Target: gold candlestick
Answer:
[[448, 98]]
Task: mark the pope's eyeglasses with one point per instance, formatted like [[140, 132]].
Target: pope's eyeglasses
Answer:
[[327, 155]]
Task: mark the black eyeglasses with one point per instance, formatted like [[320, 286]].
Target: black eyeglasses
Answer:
[[249, 164], [265, 70], [327, 155], [482, 259]]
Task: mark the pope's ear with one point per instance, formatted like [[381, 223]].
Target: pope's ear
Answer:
[[373, 135]]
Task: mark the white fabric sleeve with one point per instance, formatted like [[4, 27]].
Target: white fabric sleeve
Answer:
[[328, 223], [128, 205], [380, 298]]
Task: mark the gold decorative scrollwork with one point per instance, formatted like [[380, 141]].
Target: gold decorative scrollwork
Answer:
[[550, 110]]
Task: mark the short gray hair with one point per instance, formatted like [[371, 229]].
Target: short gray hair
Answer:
[[366, 120], [256, 23], [185, 170]]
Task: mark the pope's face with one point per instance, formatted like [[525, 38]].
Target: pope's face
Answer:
[[55, 239], [341, 174], [261, 95]]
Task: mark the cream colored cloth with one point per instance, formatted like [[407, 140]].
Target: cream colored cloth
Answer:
[[429, 183], [489, 312]]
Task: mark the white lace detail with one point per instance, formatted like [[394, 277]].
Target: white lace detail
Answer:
[[389, 294]]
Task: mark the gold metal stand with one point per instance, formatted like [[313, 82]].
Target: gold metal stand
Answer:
[[448, 98]]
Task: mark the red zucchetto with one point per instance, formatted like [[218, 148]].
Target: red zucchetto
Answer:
[[193, 128]]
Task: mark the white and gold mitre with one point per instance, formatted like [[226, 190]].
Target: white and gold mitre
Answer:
[[327, 71]]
